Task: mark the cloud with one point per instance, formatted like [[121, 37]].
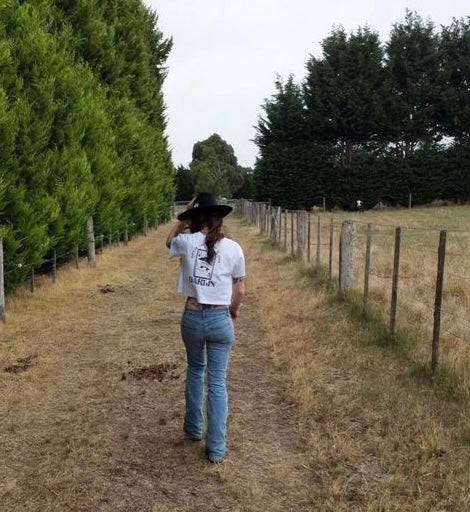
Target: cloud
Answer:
[[226, 56]]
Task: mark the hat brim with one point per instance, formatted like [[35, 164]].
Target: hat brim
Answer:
[[220, 210]]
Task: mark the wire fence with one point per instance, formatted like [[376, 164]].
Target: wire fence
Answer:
[[95, 245], [417, 278]]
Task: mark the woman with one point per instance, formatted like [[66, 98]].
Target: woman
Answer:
[[211, 279]]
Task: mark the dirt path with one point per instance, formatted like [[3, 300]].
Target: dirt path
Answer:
[[92, 420]]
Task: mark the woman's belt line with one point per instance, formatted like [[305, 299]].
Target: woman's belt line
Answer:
[[192, 303]]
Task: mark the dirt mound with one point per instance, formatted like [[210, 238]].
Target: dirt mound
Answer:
[[154, 372]]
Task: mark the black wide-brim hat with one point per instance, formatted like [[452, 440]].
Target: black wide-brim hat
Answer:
[[205, 203]]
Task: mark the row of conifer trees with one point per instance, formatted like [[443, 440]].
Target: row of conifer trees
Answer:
[[82, 125], [372, 121]]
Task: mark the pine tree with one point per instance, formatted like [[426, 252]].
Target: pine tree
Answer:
[[289, 170], [454, 80], [82, 124], [184, 184], [343, 93], [412, 65]]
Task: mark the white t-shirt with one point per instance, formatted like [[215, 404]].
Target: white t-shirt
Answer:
[[209, 283]]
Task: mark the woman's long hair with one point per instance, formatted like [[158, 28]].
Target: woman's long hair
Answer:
[[216, 233]]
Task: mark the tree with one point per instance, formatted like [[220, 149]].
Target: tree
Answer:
[[343, 93], [289, 169], [247, 189], [184, 184], [454, 80], [214, 167], [412, 66], [82, 125]]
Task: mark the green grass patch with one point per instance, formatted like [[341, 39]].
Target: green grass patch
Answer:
[[267, 245], [244, 222], [444, 381], [316, 278], [287, 259]]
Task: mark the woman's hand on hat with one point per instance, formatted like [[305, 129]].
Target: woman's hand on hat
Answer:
[[191, 203]]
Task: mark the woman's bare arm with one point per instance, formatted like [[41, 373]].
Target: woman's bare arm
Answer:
[[238, 293], [178, 228]]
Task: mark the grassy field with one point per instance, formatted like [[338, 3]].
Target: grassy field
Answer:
[[381, 435], [418, 268], [92, 388], [323, 416]]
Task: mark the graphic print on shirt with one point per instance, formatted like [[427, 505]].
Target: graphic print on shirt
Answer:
[[203, 269]]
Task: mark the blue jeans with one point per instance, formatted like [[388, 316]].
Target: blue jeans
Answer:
[[208, 336]]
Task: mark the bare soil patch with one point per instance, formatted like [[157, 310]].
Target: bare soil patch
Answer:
[[22, 364], [156, 371]]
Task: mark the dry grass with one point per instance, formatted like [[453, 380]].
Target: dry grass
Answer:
[[91, 419], [323, 418], [418, 265], [380, 435]]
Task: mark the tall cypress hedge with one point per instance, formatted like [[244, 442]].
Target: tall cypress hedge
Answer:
[[82, 125]]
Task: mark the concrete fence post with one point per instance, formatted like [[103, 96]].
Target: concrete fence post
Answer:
[[319, 242], [347, 255]]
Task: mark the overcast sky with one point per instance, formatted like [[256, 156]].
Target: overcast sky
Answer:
[[227, 53]]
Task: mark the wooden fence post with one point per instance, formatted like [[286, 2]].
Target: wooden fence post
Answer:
[[3, 310], [32, 281], [269, 226], [76, 257], [126, 236], [102, 243], [367, 266], [340, 251], [330, 262], [91, 243], [275, 225], [436, 334], [292, 233], [395, 279], [285, 229], [298, 227], [318, 260], [309, 233], [54, 266], [347, 254]]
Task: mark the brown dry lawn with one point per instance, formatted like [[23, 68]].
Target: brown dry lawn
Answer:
[[323, 416], [92, 400]]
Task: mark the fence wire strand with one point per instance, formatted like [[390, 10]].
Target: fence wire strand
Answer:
[[420, 283]]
